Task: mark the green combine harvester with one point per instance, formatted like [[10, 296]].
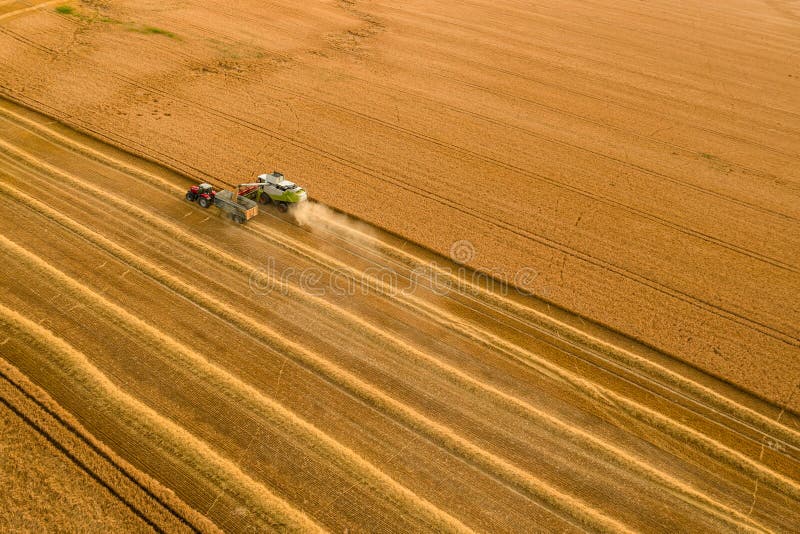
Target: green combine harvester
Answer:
[[275, 189]]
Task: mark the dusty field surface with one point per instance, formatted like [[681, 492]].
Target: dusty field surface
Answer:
[[633, 162], [329, 375], [57, 477], [640, 157]]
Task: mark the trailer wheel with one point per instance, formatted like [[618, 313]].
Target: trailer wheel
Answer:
[[204, 202], [263, 198], [283, 207], [239, 218], [191, 197]]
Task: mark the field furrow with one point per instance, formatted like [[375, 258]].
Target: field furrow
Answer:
[[491, 425], [544, 280]]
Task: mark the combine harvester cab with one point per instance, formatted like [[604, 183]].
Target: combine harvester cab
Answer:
[[274, 188]]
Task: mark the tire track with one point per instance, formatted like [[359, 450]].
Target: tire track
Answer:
[[388, 90], [184, 359], [22, 11], [521, 481], [597, 361], [561, 53], [718, 402], [319, 258], [24, 40], [558, 110], [563, 331], [37, 424], [707, 306], [729, 11], [272, 511], [457, 59], [82, 466], [672, 179], [144, 483], [585, 119], [694, 43], [634, 211], [472, 332], [556, 183], [612, 454], [566, 89], [677, 294], [562, 142], [125, 143], [598, 394]]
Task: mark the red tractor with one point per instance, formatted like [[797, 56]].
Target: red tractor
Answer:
[[203, 194]]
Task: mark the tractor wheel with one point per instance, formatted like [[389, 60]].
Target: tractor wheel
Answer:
[[191, 197], [283, 207], [263, 198], [204, 202]]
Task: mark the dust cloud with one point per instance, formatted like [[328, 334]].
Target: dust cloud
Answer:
[[321, 218]]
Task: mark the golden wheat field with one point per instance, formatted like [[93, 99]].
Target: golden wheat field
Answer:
[[547, 279]]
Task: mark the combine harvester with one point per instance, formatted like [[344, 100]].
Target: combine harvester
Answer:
[[241, 203]]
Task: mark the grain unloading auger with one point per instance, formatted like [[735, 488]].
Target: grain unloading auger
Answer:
[[241, 203]]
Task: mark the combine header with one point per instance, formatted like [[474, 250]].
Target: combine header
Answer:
[[241, 203]]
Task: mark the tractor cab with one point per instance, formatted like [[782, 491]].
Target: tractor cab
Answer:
[[204, 194]]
